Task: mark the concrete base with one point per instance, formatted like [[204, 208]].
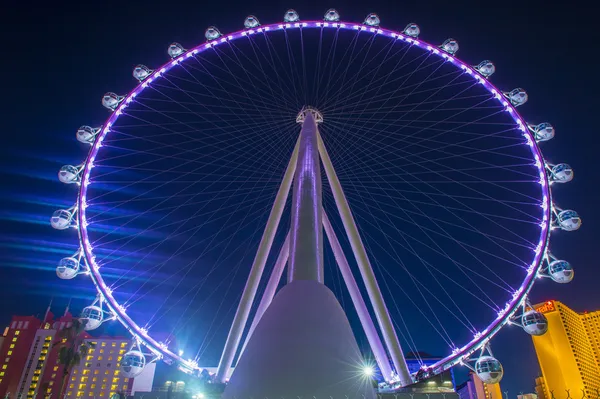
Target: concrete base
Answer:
[[303, 347]]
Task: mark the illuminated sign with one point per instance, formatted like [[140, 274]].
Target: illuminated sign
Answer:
[[546, 307]]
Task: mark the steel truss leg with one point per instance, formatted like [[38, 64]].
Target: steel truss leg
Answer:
[[366, 271], [272, 284], [358, 301], [241, 315]]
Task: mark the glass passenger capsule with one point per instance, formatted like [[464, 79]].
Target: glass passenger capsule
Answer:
[[291, 16], [568, 220], [67, 268], [561, 271], [69, 174], [534, 323], [543, 131], [517, 97], [372, 20], [489, 369], [412, 30], [486, 68], [87, 134], [175, 50], [111, 100], [61, 219], [562, 173], [450, 46], [212, 33], [91, 317], [331, 15], [251, 22], [133, 363], [141, 72]]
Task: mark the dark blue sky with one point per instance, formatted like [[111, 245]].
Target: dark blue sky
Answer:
[[60, 58]]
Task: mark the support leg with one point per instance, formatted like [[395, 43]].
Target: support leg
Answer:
[[258, 266], [358, 301], [271, 288], [381, 312]]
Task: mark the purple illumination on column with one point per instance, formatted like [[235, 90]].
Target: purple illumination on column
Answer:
[[306, 244]]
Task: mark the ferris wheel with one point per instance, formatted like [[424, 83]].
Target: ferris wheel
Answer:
[[449, 196]]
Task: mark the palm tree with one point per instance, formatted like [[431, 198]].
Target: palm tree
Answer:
[[73, 348]]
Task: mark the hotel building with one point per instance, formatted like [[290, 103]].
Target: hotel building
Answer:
[[569, 353], [474, 388], [30, 367]]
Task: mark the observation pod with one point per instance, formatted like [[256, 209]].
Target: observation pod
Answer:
[[542, 132], [69, 174], [251, 22], [372, 20], [534, 323], [412, 30], [67, 268], [92, 317], [62, 219], [175, 50], [212, 33], [561, 271], [450, 46], [489, 369], [87, 134], [141, 72], [561, 173], [568, 220], [486, 68], [291, 16], [111, 100], [133, 363], [517, 96], [331, 15]]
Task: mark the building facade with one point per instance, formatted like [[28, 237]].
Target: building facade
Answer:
[[30, 367], [474, 388], [14, 355], [99, 374], [540, 388], [569, 352]]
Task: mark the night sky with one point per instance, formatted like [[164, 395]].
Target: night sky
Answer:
[[59, 59]]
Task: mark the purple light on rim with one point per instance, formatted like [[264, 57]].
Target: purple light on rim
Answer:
[[441, 365]]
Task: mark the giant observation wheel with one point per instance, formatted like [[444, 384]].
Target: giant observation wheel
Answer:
[[445, 179]]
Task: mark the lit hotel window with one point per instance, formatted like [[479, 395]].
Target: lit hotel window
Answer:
[[8, 353], [17, 332]]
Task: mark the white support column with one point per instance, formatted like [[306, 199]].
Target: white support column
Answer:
[[358, 301], [271, 288], [366, 271], [258, 266]]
